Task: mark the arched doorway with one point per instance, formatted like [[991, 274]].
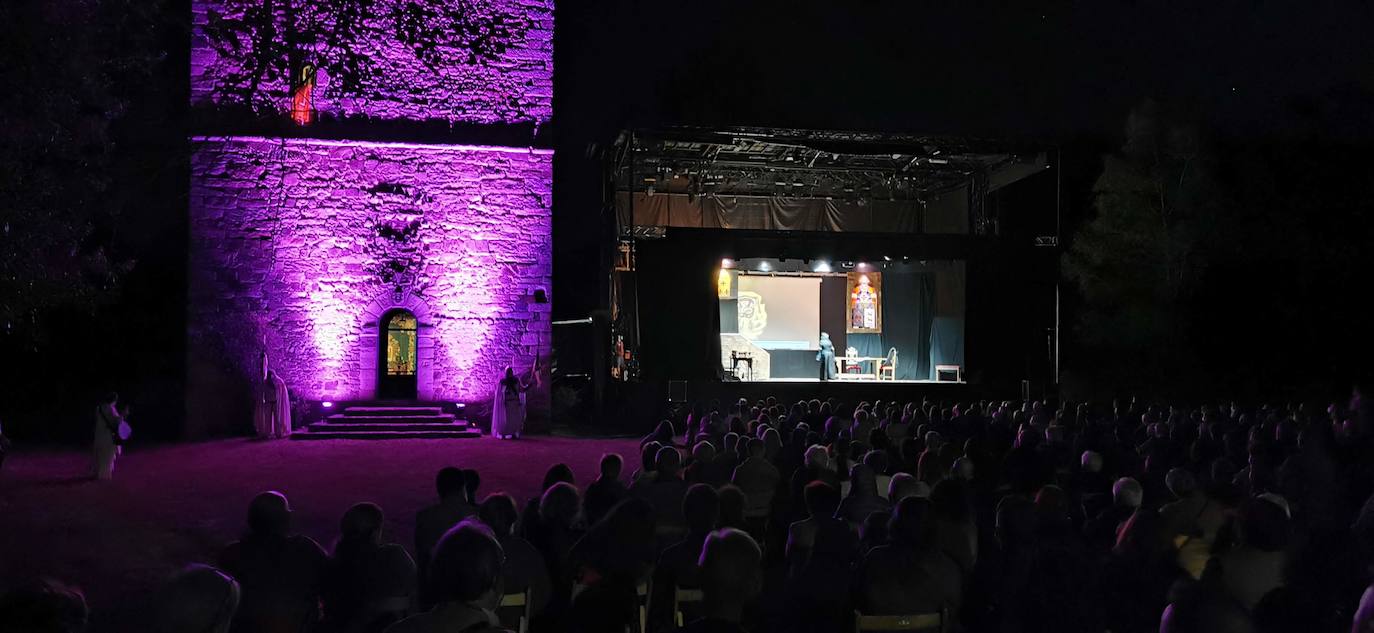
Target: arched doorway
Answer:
[[397, 361]]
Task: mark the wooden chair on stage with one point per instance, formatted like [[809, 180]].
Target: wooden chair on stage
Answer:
[[936, 622], [849, 367], [888, 366]]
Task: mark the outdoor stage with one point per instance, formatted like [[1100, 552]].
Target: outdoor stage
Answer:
[[891, 264], [173, 505]]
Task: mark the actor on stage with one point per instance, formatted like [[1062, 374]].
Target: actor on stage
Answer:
[[508, 407], [827, 357]]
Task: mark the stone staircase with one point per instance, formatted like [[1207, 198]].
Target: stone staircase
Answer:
[[384, 422]]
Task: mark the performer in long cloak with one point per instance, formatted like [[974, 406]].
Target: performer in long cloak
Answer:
[[827, 357], [104, 448], [508, 407], [281, 411]]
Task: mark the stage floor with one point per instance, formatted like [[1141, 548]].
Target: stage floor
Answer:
[[173, 505]]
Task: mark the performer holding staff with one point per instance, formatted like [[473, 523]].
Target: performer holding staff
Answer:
[[508, 407]]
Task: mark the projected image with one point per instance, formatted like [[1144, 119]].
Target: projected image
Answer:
[[780, 312], [753, 314]]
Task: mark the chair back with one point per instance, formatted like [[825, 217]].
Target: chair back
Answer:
[[937, 621], [683, 596], [519, 600], [892, 356]]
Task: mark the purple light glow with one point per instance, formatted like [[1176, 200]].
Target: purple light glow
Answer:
[[306, 243]]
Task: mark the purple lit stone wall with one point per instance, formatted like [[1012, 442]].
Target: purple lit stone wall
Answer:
[[469, 61], [303, 244]]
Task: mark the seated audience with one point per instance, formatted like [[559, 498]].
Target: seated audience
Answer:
[[606, 491], [862, 499], [198, 598], [730, 580], [523, 567], [370, 584], [466, 575], [43, 607], [281, 574], [911, 575], [433, 521], [677, 565], [758, 478]]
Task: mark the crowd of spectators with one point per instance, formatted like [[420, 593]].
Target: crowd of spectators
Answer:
[[769, 516]]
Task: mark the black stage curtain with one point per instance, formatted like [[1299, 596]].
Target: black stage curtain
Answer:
[[833, 291], [946, 213], [908, 313], [679, 312]]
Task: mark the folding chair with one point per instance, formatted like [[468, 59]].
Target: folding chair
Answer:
[[917, 622], [683, 596], [522, 601]]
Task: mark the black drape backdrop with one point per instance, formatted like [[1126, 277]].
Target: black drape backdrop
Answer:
[[908, 307], [679, 328]]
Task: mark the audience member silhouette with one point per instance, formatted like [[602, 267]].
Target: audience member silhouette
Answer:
[[45, 606], [281, 574], [606, 491], [198, 598], [465, 575], [730, 579], [433, 521], [370, 584], [523, 567]]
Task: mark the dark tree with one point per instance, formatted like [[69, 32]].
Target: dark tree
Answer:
[[1138, 262]]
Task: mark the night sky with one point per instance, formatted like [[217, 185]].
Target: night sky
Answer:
[[1065, 73]]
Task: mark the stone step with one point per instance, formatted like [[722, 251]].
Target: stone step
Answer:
[[440, 418], [393, 411], [386, 435], [392, 426]]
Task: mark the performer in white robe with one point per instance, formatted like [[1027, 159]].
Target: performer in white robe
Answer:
[[278, 404], [103, 447], [508, 406]]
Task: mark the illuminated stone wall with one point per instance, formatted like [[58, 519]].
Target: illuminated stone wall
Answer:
[[302, 244], [468, 61]]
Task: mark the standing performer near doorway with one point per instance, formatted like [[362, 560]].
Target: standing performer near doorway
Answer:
[[827, 357], [508, 407]]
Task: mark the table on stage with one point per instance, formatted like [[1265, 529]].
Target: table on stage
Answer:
[[858, 361]]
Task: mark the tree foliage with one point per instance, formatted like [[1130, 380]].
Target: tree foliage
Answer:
[[1138, 262], [67, 69]]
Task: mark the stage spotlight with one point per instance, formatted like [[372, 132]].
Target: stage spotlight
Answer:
[[821, 267], [327, 404], [764, 267], [726, 263], [846, 264], [886, 258]]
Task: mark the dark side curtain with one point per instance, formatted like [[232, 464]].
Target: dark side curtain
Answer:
[[679, 313], [908, 308]]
